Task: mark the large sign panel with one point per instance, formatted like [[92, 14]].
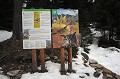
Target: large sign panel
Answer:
[[65, 28], [36, 26]]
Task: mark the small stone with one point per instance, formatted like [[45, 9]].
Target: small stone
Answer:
[[77, 64], [96, 74], [107, 71], [0, 68], [92, 61], [98, 70], [117, 76], [87, 74], [82, 76], [109, 75], [86, 65], [99, 66]]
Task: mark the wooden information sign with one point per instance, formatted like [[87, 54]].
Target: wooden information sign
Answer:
[[37, 33]]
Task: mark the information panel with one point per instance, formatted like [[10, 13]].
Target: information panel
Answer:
[[65, 28], [36, 27]]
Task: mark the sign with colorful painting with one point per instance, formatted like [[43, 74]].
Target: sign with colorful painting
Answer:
[[65, 28], [36, 25]]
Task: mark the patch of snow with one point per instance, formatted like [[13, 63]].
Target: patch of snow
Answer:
[[13, 73], [3, 77], [4, 35], [93, 1], [0, 68], [96, 33]]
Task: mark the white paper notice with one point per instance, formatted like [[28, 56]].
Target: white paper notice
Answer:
[[36, 24]]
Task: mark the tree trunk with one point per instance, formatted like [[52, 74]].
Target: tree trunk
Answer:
[[14, 43], [17, 20], [110, 34], [12, 48]]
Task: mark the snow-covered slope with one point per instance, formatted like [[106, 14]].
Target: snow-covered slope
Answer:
[[4, 35], [108, 57]]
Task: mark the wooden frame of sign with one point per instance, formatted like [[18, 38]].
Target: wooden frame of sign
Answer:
[[42, 59], [62, 57], [34, 60], [70, 60]]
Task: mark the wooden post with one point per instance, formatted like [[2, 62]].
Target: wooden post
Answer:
[[62, 56], [70, 60], [34, 61], [42, 58]]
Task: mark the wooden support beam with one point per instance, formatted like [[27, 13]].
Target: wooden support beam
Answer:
[[34, 60], [62, 57], [42, 58], [70, 60]]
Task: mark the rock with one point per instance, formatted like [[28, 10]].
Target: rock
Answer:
[[77, 64], [109, 76], [117, 76], [85, 57], [87, 74], [98, 66], [96, 74], [86, 50], [92, 61], [106, 71], [82, 76], [98, 70], [86, 65]]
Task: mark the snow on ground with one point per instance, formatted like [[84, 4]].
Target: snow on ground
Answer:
[[4, 35], [54, 68], [108, 57], [3, 77]]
